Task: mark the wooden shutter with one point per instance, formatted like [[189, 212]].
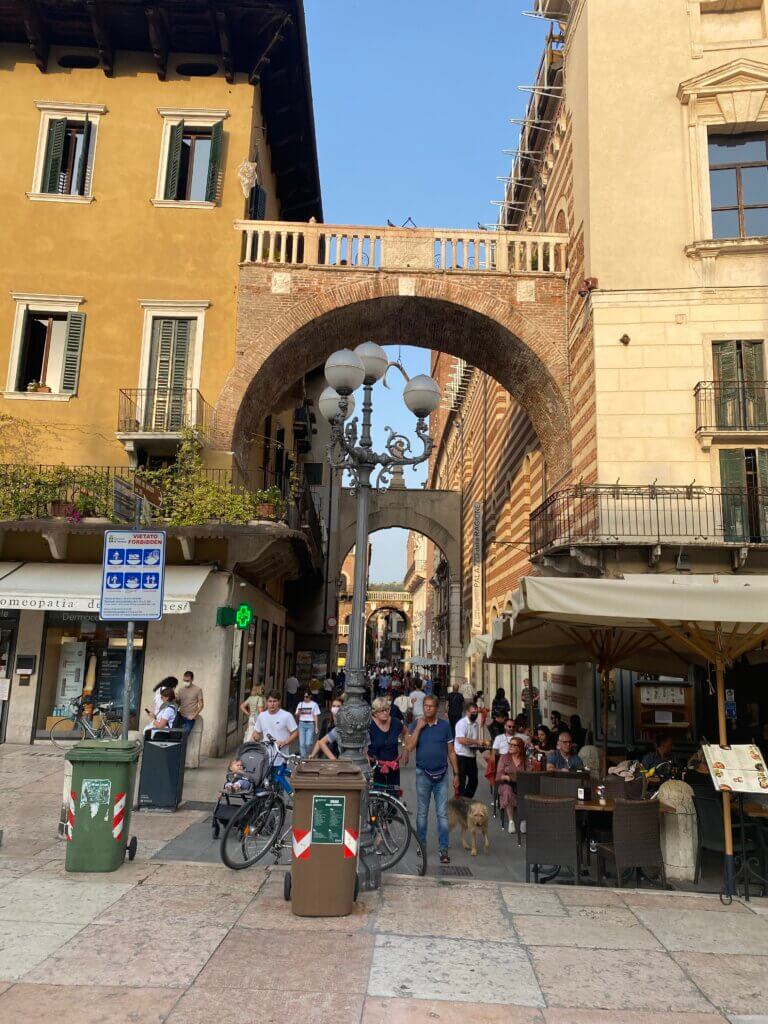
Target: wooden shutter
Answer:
[[83, 165], [753, 363], [212, 185], [257, 203], [178, 374], [733, 481], [762, 492], [54, 152], [175, 139], [161, 382], [726, 362], [73, 351]]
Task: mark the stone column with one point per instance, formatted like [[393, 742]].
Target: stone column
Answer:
[[678, 831], [456, 655]]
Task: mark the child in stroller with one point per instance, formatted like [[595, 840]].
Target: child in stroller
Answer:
[[246, 773]]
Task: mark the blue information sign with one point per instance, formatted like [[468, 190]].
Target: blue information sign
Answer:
[[133, 575]]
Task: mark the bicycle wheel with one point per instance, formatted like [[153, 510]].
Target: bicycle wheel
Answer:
[[65, 732], [252, 832], [111, 731], [391, 827], [421, 854]]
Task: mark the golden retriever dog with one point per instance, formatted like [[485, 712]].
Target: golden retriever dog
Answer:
[[471, 816]]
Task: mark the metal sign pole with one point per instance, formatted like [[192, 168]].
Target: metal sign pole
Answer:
[[130, 632]]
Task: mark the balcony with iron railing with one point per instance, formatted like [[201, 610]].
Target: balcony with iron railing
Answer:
[[600, 515], [279, 243], [731, 410], [163, 412]]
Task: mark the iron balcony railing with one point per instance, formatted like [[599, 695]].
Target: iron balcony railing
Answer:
[[598, 514], [736, 406], [163, 411]]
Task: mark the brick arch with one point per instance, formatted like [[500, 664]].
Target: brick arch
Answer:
[[520, 343]]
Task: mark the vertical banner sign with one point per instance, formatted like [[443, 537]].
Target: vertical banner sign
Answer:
[[477, 567]]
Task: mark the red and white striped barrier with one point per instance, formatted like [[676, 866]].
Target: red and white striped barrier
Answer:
[[302, 842], [118, 816], [71, 814], [350, 843]]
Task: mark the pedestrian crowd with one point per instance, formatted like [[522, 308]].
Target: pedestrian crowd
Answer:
[[175, 705]]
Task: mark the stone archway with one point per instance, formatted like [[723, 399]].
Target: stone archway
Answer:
[[511, 328]]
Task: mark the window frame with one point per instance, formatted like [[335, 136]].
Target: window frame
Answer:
[[738, 167], [53, 111], [172, 309], [192, 118], [35, 304]]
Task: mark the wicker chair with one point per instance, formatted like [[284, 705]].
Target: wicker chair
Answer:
[[636, 840], [553, 836], [617, 788], [709, 829], [528, 784], [560, 784]]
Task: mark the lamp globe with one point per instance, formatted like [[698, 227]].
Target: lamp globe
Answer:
[[374, 359], [344, 371], [422, 395], [328, 403]]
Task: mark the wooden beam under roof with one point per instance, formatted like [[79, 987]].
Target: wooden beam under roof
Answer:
[[102, 36], [37, 35], [158, 39], [263, 59], [221, 24]]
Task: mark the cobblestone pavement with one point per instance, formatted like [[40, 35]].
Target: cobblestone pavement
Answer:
[[191, 943]]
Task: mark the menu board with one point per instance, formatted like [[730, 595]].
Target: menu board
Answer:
[[737, 769]]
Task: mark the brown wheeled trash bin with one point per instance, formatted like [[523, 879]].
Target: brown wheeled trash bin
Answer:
[[322, 881]]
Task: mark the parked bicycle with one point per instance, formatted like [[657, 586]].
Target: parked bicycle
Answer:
[[393, 832], [77, 727]]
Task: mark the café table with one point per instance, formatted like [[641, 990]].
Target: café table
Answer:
[[609, 806]]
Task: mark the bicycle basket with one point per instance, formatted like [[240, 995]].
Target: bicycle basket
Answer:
[[255, 758]]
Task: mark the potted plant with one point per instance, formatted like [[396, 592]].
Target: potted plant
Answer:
[[43, 389], [269, 503], [33, 385]]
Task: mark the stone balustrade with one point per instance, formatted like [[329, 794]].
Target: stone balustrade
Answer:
[[282, 243]]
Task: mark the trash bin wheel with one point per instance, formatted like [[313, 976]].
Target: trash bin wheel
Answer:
[[287, 886], [131, 848], [357, 888]]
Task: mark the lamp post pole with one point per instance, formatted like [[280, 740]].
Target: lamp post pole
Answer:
[[345, 371]]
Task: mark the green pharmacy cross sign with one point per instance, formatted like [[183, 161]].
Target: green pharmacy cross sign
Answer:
[[241, 617]]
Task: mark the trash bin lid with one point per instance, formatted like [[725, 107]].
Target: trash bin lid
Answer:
[[120, 751], [328, 776]]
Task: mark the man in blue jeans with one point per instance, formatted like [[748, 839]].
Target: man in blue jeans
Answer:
[[431, 738]]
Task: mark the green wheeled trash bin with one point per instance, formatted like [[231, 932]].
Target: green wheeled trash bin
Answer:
[[322, 881], [100, 801]]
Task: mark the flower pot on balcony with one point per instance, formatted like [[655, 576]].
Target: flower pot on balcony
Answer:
[[61, 509], [265, 510]]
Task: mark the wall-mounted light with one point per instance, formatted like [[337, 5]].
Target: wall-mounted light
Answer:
[[625, 339]]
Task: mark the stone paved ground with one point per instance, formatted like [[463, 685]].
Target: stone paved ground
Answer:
[[189, 943]]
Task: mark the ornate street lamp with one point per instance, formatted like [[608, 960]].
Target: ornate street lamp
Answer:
[[345, 371]]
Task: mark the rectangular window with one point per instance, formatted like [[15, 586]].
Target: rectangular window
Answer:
[[313, 473], [744, 483], [68, 161], [169, 399], [192, 171], [738, 179], [49, 352], [740, 387]]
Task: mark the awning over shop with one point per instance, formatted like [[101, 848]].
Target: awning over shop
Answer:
[[425, 662], [58, 586], [478, 645]]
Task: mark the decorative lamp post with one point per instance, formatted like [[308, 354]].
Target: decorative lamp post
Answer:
[[345, 371]]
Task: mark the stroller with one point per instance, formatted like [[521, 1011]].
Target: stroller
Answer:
[[256, 764]]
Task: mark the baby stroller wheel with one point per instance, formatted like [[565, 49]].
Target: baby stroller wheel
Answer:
[[216, 828], [287, 886], [132, 847]]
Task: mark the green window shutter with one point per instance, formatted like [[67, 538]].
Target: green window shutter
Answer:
[[179, 362], [54, 152], [726, 363], [212, 185], [733, 481], [762, 494], [753, 361], [73, 351], [83, 163], [161, 382], [257, 203], [175, 139]]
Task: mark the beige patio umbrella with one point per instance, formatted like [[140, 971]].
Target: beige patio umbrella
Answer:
[[651, 623]]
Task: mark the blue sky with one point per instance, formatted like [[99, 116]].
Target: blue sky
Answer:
[[412, 106]]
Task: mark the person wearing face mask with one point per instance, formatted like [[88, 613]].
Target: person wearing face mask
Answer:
[[466, 743], [328, 739]]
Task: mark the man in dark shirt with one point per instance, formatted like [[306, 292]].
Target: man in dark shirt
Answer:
[[455, 707], [562, 758], [431, 738], [662, 755]]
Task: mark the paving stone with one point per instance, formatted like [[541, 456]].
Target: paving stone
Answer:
[[572, 977], [427, 968], [438, 1011], [16, 867], [86, 1004], [192, 904], [585, 932], [129, 873], [735, 984], [270, 910], [560, 1016], [215, 876], [587, 896], [759, 906], [448, 911], [156, 953], [56, 899], [704, 931], [750, 1018], [267, 1006], [674, 901], [163, 825], [24, 944], [532, 899], [288, 961]]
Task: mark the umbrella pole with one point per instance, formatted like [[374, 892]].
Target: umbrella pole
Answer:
[[605, 678], [530, 699], [730, 870]]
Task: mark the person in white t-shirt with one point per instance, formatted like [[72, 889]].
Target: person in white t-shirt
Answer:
[[416, 698], [165, 715], [501, 743], [466, 743], [277, 723], [308, 715]]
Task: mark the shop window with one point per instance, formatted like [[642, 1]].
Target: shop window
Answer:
[[83, 656], [190, 171], [47, 352], [738, 179]]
